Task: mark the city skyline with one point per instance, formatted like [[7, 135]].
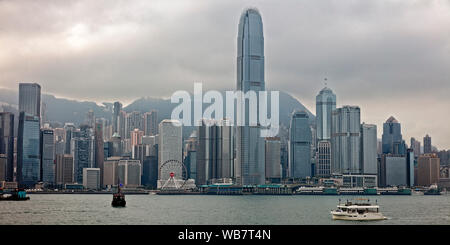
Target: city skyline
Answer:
[[371, 64]]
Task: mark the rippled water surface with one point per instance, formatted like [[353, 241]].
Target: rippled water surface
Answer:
[[59, 209]]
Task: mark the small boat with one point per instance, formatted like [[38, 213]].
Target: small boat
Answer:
[[19, 194], [357, 211], [433, 190], [118, 198]]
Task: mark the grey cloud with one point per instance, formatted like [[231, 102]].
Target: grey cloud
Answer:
[[372, 52]]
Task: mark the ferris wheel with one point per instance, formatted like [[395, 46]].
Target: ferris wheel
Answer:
[[175, 172]]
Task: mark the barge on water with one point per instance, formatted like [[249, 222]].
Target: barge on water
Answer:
[[15, 195]]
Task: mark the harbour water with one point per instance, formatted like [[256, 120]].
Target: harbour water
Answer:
[[51, 209]]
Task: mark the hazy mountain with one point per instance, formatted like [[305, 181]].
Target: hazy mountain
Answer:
[[64, 110]]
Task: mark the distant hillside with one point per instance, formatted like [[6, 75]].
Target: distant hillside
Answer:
[[63, 110]]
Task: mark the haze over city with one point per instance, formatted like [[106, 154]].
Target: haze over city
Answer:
[[391, 58]]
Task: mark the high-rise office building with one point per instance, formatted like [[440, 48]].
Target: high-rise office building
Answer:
[[428, 169], [427, 148], [170, 148], [369, 148], [323, 159], [415, 145], [99, 154], [299, 146], [214, 152], [115, 118], [392, 137], [250, 146], [69, 129], [325, 104], [273, 160], [395, 170], [151, 123], [47, 153], [129, 172], [64, 169], [83, 152], [30, 99], [91, 178], [7, 143], [28, 159], [345, 140], [110, 175], [133, 120], [122, 124]]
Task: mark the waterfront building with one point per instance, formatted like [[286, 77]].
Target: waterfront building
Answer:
[[150, 171], [30, 99], [170, 148], [428, 169], [110, 175], [299, 146], [325, 104], [427, 148], [395, 170], [323, 159], [151, 123], [346, 141], [7, 143], [273, 160], [369, 148], [215, 151], [250, 145], [359, 180], [129, 172], [64, 169], [392, 137], [3, 164], [47, 154], [28, 147], [91, 178]]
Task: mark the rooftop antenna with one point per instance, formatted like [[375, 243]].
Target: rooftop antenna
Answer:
[[325, 81]]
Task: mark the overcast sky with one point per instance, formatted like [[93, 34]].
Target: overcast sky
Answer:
[[388, 57]]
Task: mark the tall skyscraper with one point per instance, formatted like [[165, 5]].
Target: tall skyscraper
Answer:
[[427, 148], [299, 146], [47, 156], [7, 143], [99, 154], [69, 130], [115, 119], [64, 169], [30, 98], [151, 123], [170, 147], [28, 159], [136, 137], [129, 172], [82, 152], [428, 169], [250, 146], [325, 104], [345, 140], [133, 120], [369, 148], [415, 146], [323, 162], [392, 137]]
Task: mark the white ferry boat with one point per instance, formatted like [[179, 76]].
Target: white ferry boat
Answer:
[[357, 211]]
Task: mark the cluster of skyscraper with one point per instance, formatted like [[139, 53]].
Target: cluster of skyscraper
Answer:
[[136, 149]]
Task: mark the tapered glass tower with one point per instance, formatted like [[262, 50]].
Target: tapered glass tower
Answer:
[[250, 159]]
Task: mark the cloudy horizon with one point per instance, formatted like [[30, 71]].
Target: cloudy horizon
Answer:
[[391, 58]]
